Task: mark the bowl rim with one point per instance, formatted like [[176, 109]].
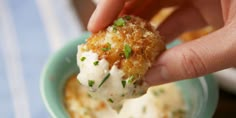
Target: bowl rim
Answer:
[[43, 94], [43, 74]]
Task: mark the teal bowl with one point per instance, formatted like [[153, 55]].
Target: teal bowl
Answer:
[[200, 94]]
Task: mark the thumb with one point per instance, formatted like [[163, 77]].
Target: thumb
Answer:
[[208, 54]]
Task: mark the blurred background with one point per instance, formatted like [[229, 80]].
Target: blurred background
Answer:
[[31, 30]]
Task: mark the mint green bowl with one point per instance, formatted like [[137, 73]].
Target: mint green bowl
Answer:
[[200, 94]]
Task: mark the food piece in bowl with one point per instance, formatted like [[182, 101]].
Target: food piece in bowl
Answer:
[[113, 61], [165, 101], [80, 104]]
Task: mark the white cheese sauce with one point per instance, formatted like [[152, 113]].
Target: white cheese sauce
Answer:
[[163, 101], [107, 84]]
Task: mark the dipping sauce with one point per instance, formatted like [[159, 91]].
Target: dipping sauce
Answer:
[[163, 101]]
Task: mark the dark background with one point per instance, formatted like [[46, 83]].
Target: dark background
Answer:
[[227, 105]]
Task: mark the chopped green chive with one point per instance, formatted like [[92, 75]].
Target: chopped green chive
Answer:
[[122, 95], [96, 63], [114, 28], [82, 58], [123, 82], [127, 51], [104, 79], [162, 90], [110, 100], [158, 92], [179, 112], [144, 109], [119, 107], [89, 95], [91, 83], [127, 17], [107, 48], [104, 49], [119, 22], [130, 79]]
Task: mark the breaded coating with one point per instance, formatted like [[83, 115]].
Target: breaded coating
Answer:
[[130, 43]]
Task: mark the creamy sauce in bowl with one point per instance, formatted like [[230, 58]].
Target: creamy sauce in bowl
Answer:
[[163, 101]]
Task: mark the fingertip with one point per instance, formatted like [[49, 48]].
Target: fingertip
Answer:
[[94, 24], [104, 14], [91, 26]]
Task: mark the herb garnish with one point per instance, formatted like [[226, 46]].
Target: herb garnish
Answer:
[[162, 90], [127, 17], [123, 82], [144, 109], [178, 112], [107, 48], [114, 28], [89, 95], [158, 92], [122, 95], [96, 63], [104, 79], [110, 100], [91, 83], [82, 58], [127, 51], [119, 22], [130, 79]]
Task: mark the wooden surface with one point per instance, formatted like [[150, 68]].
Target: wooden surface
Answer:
[[226, 106]]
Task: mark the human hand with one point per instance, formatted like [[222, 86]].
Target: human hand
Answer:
[[207, 54]]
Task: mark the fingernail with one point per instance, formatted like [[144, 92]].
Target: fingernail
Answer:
[[157, 75]]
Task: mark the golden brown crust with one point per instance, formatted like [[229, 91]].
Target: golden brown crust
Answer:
[[146, 45]]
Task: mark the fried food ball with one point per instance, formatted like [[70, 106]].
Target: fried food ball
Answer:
[[114, 61]]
